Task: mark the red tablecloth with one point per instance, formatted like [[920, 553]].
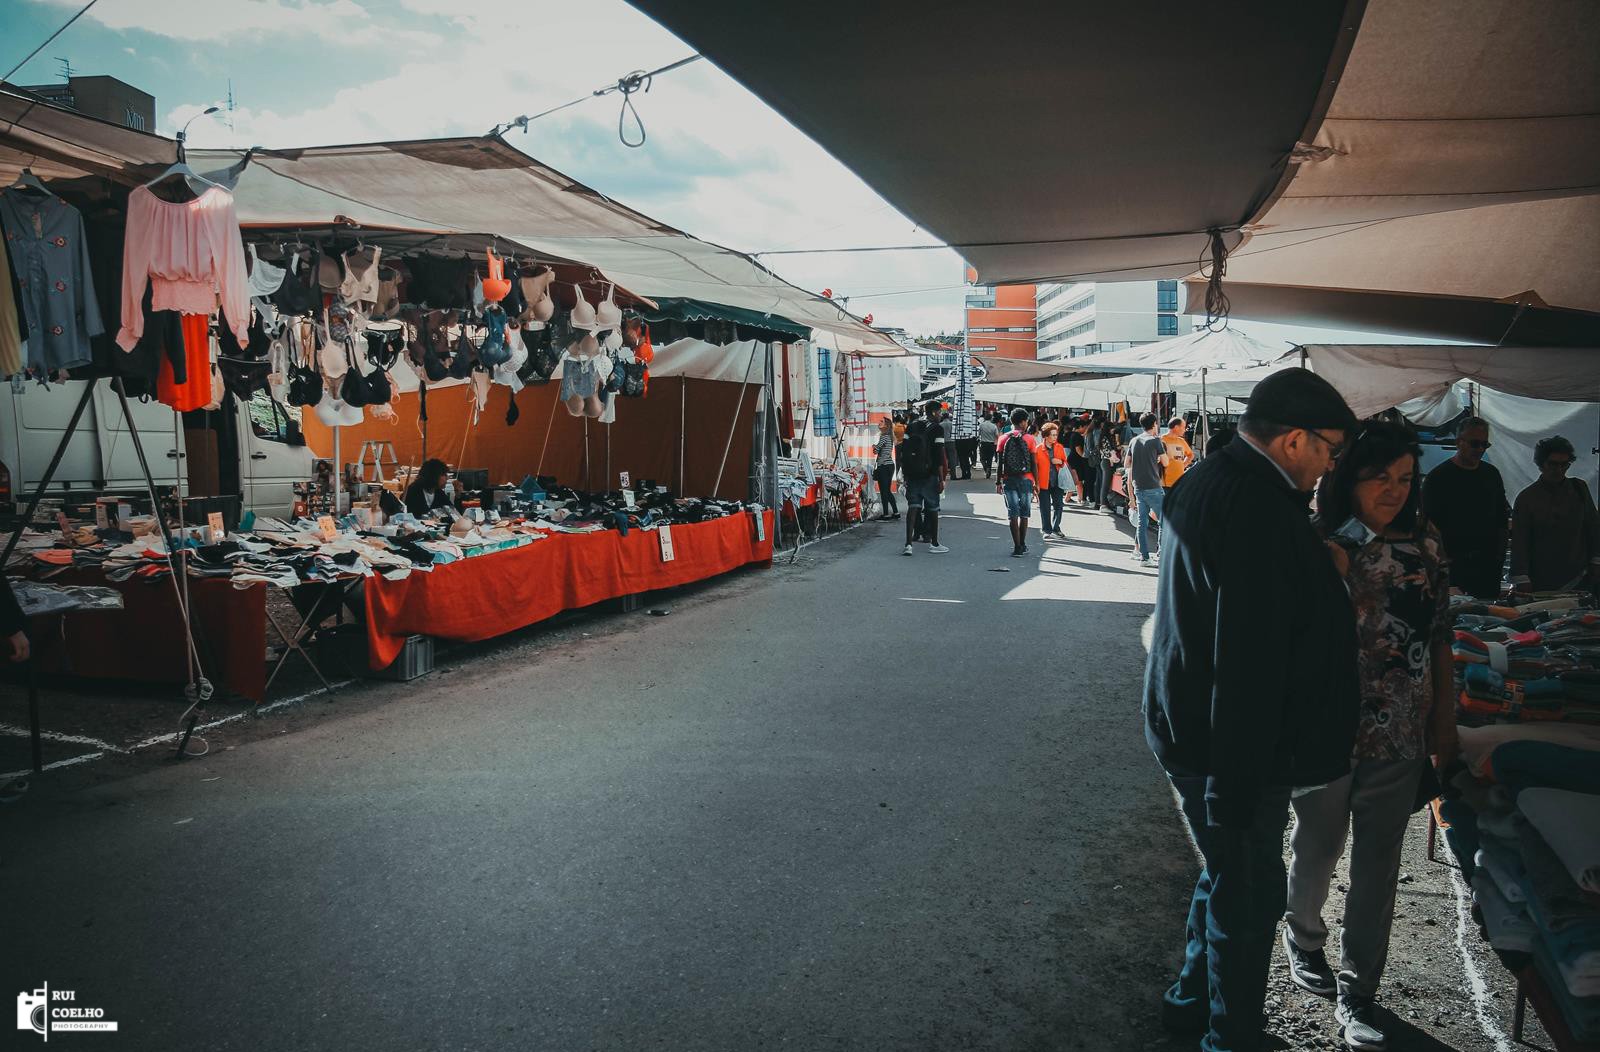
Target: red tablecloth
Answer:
[[490, 595], [144, 640]]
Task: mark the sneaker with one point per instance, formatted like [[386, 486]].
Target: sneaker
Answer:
[[1016, 553], [1309, 968], [1358, 1019], [907, 551], [937, 549]]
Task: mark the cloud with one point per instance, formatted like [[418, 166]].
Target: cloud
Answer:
[[215, 21], [717, 162]]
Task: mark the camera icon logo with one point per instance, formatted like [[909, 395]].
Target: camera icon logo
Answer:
[[33, 1011]]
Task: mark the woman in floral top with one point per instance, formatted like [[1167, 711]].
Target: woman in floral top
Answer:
[[1394, 565]]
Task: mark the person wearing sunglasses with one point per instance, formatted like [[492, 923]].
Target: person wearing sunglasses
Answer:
[[1465, 498], [1251, 688], [1555, 531]]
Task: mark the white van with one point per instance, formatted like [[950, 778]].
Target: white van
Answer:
[[253, 450]]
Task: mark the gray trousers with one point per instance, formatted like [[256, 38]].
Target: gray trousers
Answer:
[[1376, 800]]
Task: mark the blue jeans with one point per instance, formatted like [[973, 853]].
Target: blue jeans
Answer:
[[1050, 509], [1019, 497], [1149, 501], [1233, 919]]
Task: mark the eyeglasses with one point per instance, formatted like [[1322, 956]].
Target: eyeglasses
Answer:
[[1335, 449], [1476, 443]]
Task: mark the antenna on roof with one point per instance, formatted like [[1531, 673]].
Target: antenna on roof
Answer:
[[230, 107], [66, 71]]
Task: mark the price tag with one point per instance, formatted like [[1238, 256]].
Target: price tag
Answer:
[[218, 530], [326, 527], [665, 533], [627, 497], [761, 525], [626, 483]]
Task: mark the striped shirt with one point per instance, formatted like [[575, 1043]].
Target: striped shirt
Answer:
[[885, 448]]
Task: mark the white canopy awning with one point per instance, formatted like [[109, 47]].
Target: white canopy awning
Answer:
[[1202, 349], [1375, 377]]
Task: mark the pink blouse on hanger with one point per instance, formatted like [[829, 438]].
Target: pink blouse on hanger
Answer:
[[190, 251]]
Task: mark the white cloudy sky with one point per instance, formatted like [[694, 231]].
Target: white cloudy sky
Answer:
[[718, 162]]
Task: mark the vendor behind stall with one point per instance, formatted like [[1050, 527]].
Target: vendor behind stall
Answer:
[[430, 492]]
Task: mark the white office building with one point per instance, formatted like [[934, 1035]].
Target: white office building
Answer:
[[1086, 317]]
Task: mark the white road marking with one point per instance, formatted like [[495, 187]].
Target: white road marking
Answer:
[[71, 739], [1477, 990], [258, 710], [911, 599], [8, 775]]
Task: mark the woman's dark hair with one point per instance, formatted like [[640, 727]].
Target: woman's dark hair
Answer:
[[1553, 444], [1375, 447], [432, 473]]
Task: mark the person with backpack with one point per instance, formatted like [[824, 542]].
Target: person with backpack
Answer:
[[1019, 474], [923, 464]]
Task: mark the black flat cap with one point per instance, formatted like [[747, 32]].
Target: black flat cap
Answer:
[[1299, 398]]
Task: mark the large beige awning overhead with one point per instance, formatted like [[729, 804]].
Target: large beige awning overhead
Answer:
[[1396, 165], [1459, 162], [1045, 139]]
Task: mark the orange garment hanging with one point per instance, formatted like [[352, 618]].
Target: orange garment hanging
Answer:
[[195, 391]]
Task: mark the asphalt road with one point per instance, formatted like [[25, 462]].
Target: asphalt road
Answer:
[[860, 802]]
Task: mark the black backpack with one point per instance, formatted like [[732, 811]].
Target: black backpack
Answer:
[[916, 453], [1016, 457]]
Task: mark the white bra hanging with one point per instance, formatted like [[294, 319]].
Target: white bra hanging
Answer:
[[265, 278]]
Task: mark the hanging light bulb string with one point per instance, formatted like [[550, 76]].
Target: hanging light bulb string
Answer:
[[626, 86]]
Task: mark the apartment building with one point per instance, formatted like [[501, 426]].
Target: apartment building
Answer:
[[1087, 317]]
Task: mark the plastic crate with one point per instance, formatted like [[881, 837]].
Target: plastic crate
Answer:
[[416, 659]]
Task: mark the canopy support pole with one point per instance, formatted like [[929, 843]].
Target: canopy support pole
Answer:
[[733, 425], [683, 433], [338, 470]]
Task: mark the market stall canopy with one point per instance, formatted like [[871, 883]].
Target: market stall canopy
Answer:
[[1021, 370], [1141, 133], [62, 144], [1225, 348], [748, 324], [466, 186], [1375, 377], [1214, 387], [1455, 177]]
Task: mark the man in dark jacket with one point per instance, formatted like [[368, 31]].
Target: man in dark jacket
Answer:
[[1251, 686]]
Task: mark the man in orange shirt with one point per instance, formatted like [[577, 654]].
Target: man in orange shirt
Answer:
[[1180, 457]]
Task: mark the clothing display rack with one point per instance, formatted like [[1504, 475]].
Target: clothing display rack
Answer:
[[198, 689]]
